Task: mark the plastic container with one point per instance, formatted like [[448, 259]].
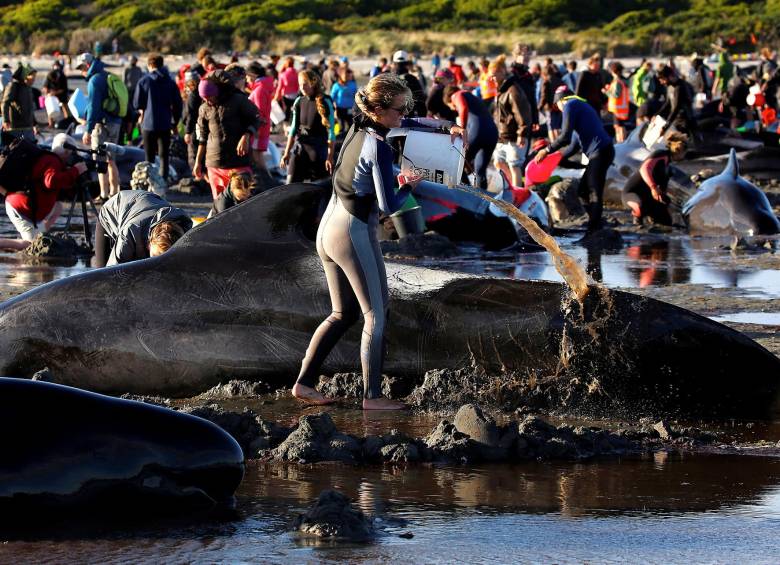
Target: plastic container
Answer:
[[78, 105], [277, 114], [433, 156], [536, 173], [52, 105], [653, 133], [408, 221]]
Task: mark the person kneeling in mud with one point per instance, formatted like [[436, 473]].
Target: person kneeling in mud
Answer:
[[135, 224], [238, 190], [37, 208], [645, 193]]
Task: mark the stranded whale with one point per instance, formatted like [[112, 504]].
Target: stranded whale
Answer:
[[240, 295], [728, 204], [66, 449]]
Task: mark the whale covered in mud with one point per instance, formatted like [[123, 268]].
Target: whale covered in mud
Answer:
[[67, 450], [240, 295], [728, 204]]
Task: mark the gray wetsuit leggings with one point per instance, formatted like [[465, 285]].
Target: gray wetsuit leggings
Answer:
[[357, 281]]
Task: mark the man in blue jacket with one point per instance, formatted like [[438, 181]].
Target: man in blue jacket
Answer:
[[158, 100], [101, 126]]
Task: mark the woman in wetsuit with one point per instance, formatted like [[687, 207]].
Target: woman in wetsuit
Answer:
[[363, 185], [309, 151], [645, 191], [481, 130]]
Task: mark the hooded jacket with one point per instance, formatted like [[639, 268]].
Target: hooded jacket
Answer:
[[129, 217], [97, 91], [158, 96], [18, 101]]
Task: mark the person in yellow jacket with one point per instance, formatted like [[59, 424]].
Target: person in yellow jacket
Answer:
[[618, 100], [487, 87]]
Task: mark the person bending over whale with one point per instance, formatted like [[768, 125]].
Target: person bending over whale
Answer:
[[645, 191], [363, 184], [135, 224]]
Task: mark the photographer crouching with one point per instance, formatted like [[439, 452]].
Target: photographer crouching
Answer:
[[32, 179]]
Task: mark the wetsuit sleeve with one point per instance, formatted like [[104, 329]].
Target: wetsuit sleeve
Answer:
[[384, 179], [295, 117], [646, 171], [564, 138], [459, 98], [331, 119]]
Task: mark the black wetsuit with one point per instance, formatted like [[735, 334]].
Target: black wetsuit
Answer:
[[637, 190], [310, 151]]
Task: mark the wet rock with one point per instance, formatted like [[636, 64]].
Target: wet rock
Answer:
[[563, 202], [400, 453], [244, 426], [664, 430], [193, 187], [317, 439], [429, 244], [703, 175], [333, 516], [45, 376], [446, 443], [146, 176], [60, 246], [472, 421], [155, 400], [350, 385], [234, 388]]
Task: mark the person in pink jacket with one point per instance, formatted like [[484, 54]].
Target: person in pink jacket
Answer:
[[261, 95], [287, 89]]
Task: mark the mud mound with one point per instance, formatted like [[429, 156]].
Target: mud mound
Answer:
[[333, 516], [56, 246]]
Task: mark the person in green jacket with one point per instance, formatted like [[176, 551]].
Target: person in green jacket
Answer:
[[639, 85], [723, 74]]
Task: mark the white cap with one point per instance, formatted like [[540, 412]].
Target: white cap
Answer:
[[85, 59], [59, 141], [400, 57]]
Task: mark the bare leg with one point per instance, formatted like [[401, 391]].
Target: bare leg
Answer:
[[310, 395], [105, 191], [113, 177]]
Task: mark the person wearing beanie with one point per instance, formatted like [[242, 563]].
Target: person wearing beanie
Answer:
[[226, 122], [580, 118]]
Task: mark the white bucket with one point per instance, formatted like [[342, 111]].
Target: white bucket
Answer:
[[52, 105], [433, 156], [277, 114], [653, 133], [78, 105]]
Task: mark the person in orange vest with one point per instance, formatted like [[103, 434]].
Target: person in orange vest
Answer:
[[617, 100], [487, 87]]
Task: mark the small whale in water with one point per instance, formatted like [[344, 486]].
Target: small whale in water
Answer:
[[728, 204]]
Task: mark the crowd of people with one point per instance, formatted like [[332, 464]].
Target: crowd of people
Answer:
[[509, 110]]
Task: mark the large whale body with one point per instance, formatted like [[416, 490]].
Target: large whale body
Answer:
[[728, 204], [66, 450], [241, 294]]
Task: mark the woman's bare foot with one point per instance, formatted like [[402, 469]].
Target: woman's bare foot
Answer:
[[310, 395], [382, 403]]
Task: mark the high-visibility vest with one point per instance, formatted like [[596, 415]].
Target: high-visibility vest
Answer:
[[618, 106], [487, 86]]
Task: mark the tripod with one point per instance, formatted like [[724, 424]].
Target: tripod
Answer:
[[82, 193]]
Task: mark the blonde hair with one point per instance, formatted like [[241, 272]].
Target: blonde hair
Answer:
[[497, 63], [163, 236], [677, 143], [380, 92], [241, 186], [313, 79]]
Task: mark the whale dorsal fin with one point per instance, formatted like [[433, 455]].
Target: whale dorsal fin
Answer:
[[732, 167]]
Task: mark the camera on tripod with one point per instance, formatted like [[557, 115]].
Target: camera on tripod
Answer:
[[96, 160]]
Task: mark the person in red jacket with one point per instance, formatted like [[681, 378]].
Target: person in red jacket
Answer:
[[457, 71], [262, 93], [49, 176]]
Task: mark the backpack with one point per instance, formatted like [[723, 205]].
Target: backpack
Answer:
[[116, 101], [16, 163]]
